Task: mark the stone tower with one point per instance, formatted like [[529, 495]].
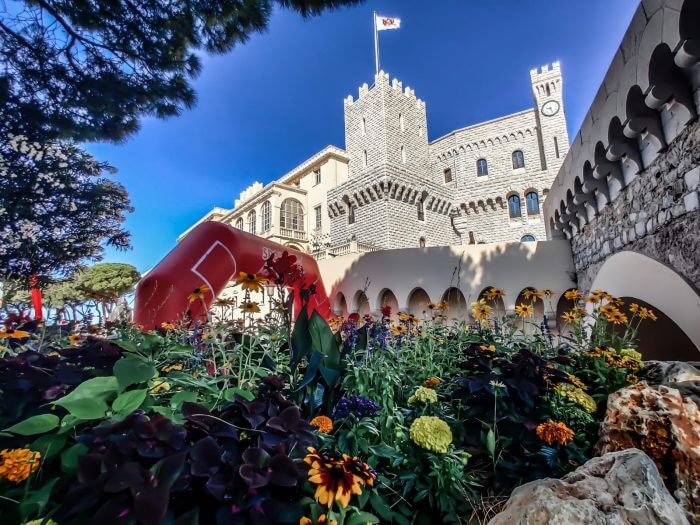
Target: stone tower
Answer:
[[386, 128], [547, 89]]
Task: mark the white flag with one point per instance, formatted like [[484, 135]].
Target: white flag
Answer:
[[385, 22]]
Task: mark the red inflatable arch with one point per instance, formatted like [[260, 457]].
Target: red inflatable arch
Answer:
[[212, 254]]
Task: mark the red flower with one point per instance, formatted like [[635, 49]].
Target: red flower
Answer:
[[354, 317], [386, 311]]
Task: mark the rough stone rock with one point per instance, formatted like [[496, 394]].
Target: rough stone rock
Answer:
[[666, 372], [619, 488], [664, 424]]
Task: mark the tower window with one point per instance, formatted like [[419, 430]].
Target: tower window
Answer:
[[421, 211], [351, 214], [527, 238], [549, 92], [533, 203], [482, 167], [363, 126], [318, 215], [514, 206], [317, 175], [364, 159], [448, 175], [556, 147], [403, 154], [518, 159], [266, 216], [421, 242], [401, 122], [420, 131]]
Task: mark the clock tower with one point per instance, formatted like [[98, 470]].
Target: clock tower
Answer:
[[547, 89]]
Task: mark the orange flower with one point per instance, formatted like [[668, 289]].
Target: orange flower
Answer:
[[323, 424], [573, 295], [74, 339], [532, 295], [596, 296], [17, 464], [634, 308], [524, 310], [570, 317], [647, 313], [13, 334], [617, 317], [198, 293], [554, 432], [607, 309], [432, 382], [250, 281], [250, 307], [494, 293], [335, 479]]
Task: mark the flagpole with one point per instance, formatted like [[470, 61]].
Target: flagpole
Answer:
[[376, 44]]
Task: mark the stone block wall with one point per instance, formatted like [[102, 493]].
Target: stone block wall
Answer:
[[657, 215]]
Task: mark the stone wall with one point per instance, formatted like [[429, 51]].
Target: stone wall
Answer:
[[657, 215]]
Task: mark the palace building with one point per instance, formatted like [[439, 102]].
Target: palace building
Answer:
[[391, 187]]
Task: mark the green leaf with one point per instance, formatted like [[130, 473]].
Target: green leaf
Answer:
[[301, 337], [382, 450], [69, 457], [323, 341], [129, 401], [380, 506], [34, 502], [129, 346], [35, 425], [49, 445], [132, 371], [311, 369], [362, 518], [230, 393], [85, 407], [491, 442], [178, 399], [330, 376]]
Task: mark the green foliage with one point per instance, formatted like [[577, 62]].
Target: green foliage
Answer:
[[108, 280]]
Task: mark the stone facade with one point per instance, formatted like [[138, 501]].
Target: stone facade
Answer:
[[656, 215]]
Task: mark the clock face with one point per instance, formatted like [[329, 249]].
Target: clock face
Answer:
[[550, 108]]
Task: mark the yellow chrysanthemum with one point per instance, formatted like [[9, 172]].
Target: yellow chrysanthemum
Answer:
[[423, 395], [431, 433], [17, 464], [323, 424], [631, 353], [576, 395]]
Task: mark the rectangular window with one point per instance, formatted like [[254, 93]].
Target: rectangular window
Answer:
[[351, 214], [317, 212], [556, 147], [317, 174], [448, 175]]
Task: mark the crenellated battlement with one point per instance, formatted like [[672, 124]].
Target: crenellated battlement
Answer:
[[395, 85], [545, 72]]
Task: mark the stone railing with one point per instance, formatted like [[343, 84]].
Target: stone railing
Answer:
[[345, 249], [649, 97], [297, 235]]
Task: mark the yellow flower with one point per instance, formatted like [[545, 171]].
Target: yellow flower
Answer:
[[17, 464], [579, 311], [553, 432], [577, 382], [158, 385], [431, 433], [631, 353], [337, 479], [570, 317], [398, 330], [432, 382], [207, 335], [608, 309], [634, 308], [617, 317], [532, 295], [488, 348], [175, 367], [74, 339], [250, 281], [547, 293], [596, 296], [481, 311], [323, 424], [524, 310], [431, 306], [198, 293], [630, 363], [41, 521], [576, 395], [632, 379], [250, 307], [322, 520], [573, 295], [9, 333], [442, 306], [423, 395], [167, 326], [647, 313], [494, 293]]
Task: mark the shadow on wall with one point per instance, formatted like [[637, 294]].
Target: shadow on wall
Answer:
[[662, 339]]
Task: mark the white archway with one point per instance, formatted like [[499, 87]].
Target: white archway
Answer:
[[631, 274]]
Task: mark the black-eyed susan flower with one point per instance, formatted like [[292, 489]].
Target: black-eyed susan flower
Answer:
[[647, 313], [532, 295], [596, 296], [13, 334], [250, 281], [481, 311], [524, 310], [333, 479], [494, 293], [573, 295], [616, 317], [570, 317], [74, 339], [198, 293], [250, 307]]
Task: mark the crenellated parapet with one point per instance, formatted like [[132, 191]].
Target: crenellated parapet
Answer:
[[649, 97], [382, 79]]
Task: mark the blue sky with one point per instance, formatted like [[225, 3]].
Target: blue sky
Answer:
[[269, 104]]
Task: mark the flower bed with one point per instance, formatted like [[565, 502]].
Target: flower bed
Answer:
[[395, 420]]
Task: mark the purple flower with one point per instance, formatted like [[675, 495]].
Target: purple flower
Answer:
[[358, 406]]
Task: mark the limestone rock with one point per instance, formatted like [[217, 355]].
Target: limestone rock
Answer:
[[619, 488], [664, 424], [666, 372]]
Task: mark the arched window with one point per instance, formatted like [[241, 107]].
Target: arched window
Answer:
[[364, 126], [403, 154], [482, 167], [239, 223], [292, 215], [421, 211], [351, 214], [514, 206], [448, 175], [527, 238], [266, 216], [401, 122], [252, 221], [532, 202], [364, 159], [549, 92], [556, 147], [421, 242], [518, 159]]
